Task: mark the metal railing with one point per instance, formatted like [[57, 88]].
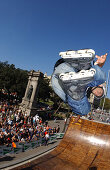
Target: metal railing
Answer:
[[106, 89], [24, 146]]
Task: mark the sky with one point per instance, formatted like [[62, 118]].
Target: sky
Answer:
[[33, 32]]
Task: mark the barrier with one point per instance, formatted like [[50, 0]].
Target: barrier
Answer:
[[22, 147]]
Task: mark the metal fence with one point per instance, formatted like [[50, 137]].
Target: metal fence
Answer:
[[24, 146]]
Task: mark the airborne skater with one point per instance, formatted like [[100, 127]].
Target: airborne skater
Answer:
[[73, 74]]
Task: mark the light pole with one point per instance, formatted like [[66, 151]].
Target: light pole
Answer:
[[106, 89]]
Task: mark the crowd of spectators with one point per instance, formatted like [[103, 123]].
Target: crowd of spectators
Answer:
[[99, 115], [16, 126]]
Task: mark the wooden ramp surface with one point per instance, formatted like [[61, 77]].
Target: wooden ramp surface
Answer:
[[85, 146]]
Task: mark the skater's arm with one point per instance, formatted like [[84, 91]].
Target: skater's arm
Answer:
[[100, 60]]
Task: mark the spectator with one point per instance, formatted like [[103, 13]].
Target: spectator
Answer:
[[58, 129], [16, 126], [46, 138]]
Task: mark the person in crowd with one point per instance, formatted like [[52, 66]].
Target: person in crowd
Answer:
[[16, 126], [46, 138]]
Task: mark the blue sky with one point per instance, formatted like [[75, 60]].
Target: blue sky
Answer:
[[33, 32]]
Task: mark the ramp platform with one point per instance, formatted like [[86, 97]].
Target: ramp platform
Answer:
[[85, 146]]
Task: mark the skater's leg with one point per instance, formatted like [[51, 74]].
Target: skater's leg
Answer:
[[75, 83], [81, 107], [56, 84], [57, 88]]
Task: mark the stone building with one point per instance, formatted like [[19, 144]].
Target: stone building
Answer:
[[29, 101]]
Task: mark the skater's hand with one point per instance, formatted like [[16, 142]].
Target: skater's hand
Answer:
[[100, 60]]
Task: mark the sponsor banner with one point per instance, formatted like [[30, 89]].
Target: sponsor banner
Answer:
[[1, 151], [22, 147], [7, 150], [52, 139], [59, 135], [34, 144], [17, 150], [42, 141], [27, 146], [39, 142]]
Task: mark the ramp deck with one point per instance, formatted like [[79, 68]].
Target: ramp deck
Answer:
[[85, 146]]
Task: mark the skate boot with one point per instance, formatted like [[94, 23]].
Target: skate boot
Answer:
[[79, 59], [85, 54], [74, 84], [83, 75]]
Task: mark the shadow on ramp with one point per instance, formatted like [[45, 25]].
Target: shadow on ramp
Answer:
[[85, 146]]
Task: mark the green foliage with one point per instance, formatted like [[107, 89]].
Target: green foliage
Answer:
[[58, 116], [15, 80], [12, 79], [56, 100], [44, 89], [106, 105]]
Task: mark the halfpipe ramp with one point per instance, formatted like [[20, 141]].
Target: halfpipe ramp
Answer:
[[85, 146]]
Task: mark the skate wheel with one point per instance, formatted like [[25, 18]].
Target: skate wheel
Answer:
[[92, 70], [70, 52], [61, 75], [83, 51], [82, 72], [71, 73], [91, 51]]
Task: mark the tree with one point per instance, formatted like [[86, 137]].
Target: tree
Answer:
[[106, 104], [44, 89], [12, 79]]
